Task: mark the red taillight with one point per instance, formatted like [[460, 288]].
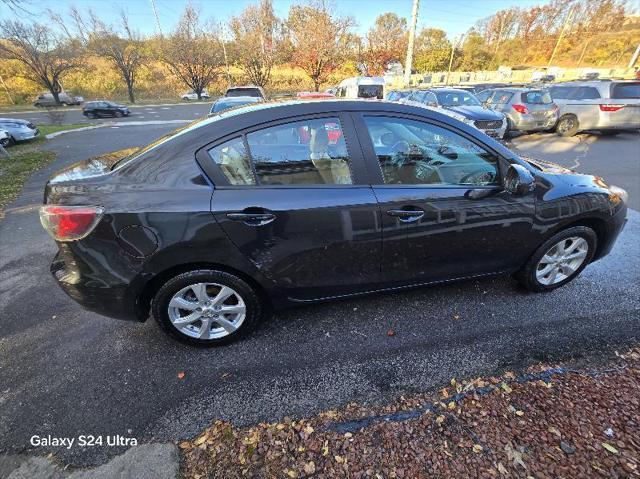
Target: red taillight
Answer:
[[69, 223], [520, 109], [611, 107]]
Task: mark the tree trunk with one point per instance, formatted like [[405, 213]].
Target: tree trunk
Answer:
[[56, 96], [316, 84], [132, 98]]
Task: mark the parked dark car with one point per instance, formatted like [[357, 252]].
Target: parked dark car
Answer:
[[463, 106], [395, 95], [99, 109], [261, 207]]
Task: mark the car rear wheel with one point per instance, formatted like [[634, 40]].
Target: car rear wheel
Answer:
[[559, 260], [206, 307], [4, 142], [567, 125], [118, 114]]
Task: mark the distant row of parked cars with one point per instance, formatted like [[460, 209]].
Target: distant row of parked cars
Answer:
[[607, 106]]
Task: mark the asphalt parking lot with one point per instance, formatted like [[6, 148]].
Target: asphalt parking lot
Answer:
[[65, 372]]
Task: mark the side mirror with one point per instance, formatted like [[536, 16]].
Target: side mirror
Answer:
[[519, 181]]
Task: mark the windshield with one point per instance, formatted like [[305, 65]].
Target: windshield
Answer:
[[222, 105], [370, 91], [244, 92], [456, 98]]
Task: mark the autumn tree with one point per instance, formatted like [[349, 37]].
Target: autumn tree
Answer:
[[475, 54], [45, 54], [386, 42], [319, 40], [257, 41], [432, 50], [123, 47], [192, 52]]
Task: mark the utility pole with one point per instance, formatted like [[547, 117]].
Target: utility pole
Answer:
[[408, 64], [155, 14], [454, 44], [584, 50], [634, 57], [223, 39], [564, 27]]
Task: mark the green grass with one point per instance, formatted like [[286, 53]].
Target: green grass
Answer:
[[14, 171], [48, 129]]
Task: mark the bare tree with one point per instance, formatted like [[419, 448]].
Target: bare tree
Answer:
[[122, 46], [319, 39], [45, 54], [257, 35], [192, 52]]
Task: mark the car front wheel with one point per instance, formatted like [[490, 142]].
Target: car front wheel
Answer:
[[559, 260], [206, 307]]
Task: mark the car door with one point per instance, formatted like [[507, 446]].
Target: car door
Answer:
[[444, 213], [293, 197]]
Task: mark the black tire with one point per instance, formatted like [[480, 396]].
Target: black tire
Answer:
[[160, 305], [5, 142], [567, 125], [11, 141], [118, 114], [609, 132], [527, 275]]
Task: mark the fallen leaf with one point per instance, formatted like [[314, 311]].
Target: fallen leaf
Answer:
[[477, 448], [339, 459], [181, 375], [325, 448], [505, 387], [290, 473], [310, 467], [519, 413], [451, 405], [225, 375], [348, 435], [514, 455], [502, 469], [308, 430], [456, 317], [610, 448], [391, 332], [440, 419], [200, 440], [553, 430]]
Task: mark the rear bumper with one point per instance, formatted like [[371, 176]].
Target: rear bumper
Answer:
[[117, 302], [529, 123]]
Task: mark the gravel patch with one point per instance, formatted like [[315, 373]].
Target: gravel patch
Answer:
[[545, 422]]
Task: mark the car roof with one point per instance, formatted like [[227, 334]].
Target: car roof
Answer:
[[239, 98], [447, 89]]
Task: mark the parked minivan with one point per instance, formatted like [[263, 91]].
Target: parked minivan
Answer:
[[361, 87], [604, 105], [275, 205]]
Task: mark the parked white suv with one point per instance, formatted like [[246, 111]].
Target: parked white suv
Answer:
[[604, 105], [192, 96]]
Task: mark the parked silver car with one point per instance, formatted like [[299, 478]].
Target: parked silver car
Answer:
[[604, 105], [526, 109], [46, 99], [4, 138], [18, 130]]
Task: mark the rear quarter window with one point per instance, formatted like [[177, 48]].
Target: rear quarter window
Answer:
[[625, 90], [536, 97]]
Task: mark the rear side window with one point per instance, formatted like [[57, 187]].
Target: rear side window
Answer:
[[536, 97], [307, 152], [501, 97], [370, 91], [587, 93], [233, 160], [625, 90]]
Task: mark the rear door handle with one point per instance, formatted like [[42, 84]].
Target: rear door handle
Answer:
[[252, 219], [407, 215]]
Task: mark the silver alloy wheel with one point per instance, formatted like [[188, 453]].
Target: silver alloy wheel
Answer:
[[207, 310], [566, 124], [562, 260]]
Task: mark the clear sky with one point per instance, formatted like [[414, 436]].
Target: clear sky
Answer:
[[453, 16]]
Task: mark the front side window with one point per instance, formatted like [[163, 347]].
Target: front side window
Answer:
[[501, 97], [484, 96], [588, 93], [234, 162], [417, 153], [563, 92], [307, 152]]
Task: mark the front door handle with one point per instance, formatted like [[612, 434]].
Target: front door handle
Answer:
[[252, 219], [407, 215]]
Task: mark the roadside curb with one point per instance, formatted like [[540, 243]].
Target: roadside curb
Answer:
[[117, 124], [147, 461]]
